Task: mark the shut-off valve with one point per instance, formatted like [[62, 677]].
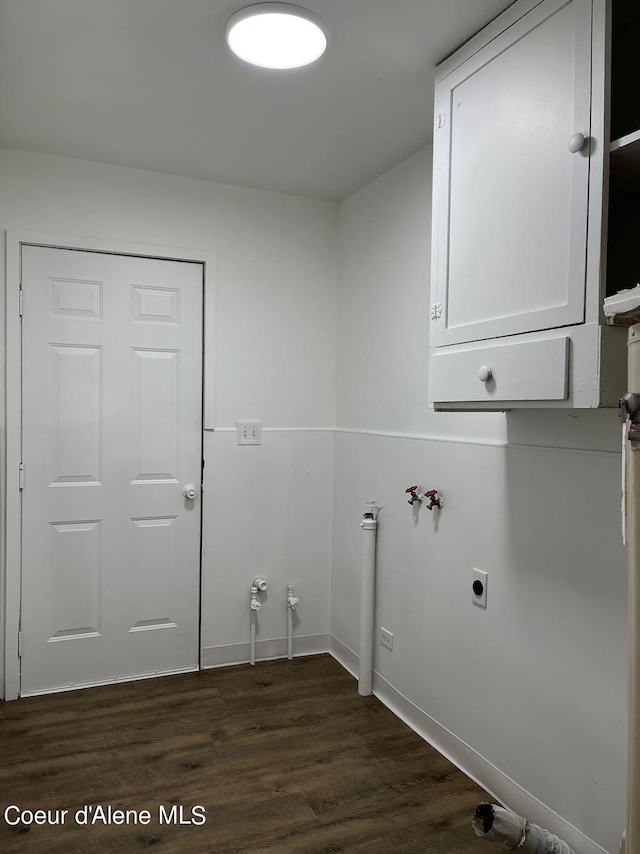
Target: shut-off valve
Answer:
[[435, 500], [255, 603], [292, 601]]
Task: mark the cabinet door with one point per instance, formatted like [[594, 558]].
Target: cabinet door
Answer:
[[510, 198]]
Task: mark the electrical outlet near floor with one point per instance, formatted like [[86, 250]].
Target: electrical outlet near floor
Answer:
[[386, 638], [479, 580]]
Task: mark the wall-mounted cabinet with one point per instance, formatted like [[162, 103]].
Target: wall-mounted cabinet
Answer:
[[521, 151]]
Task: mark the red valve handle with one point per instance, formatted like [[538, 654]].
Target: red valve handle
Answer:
[[411, 488]]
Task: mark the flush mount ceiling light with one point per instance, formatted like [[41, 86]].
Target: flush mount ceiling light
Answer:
[[276, 35]]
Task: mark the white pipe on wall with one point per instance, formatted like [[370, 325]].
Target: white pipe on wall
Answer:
[[633, 767], [292, 604], [369, 527], [254, 608], [633, 558]]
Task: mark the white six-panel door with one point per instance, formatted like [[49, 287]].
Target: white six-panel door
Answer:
[[112, 432]]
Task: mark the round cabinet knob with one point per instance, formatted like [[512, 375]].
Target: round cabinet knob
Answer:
[[576, 143], [189, 491], [484, 374]]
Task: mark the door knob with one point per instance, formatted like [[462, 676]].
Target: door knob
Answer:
[[189, 491], [484, 374], [576, 143]]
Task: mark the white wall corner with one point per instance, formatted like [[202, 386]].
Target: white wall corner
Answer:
[[505, 790], [344, 656], [502, 788]]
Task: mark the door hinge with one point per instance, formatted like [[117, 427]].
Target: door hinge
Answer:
[[20, 644], [20, 301], [21, 476]]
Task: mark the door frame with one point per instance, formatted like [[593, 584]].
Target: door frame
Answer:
[[11, 558]]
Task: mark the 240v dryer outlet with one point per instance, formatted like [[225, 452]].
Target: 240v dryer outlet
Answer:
[[479, 580]]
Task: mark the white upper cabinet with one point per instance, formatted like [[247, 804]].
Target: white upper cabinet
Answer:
[[512, 250], [519, 164]]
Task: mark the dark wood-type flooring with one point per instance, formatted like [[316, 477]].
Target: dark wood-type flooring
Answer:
[[285, 757]]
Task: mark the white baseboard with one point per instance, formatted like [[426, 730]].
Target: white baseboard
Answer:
[[344, 656], [502, 788], [239, 653]]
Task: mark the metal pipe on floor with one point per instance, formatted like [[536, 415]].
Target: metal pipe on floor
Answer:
[[511, 831]]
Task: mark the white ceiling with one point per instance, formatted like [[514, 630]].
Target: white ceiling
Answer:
[[152, 84]]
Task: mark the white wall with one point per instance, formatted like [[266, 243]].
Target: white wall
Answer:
[[529, 695], [268, 508]]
